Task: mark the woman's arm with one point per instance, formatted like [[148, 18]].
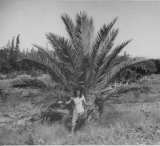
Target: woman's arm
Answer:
[[86, 103], [69, 101]]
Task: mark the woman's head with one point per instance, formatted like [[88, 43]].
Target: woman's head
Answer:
[[78, 93]]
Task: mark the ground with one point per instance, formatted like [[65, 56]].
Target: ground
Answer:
[[133, 119]]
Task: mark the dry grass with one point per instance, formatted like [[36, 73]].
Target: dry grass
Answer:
[[116, 127], [118, 133], [129, 123]]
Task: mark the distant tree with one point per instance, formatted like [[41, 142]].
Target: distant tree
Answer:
[[14, 52], [9, 55]]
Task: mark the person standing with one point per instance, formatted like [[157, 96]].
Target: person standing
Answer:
[[79, 110]]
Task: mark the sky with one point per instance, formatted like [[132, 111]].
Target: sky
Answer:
[[32, 19]]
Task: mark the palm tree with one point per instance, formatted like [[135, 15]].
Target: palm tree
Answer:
[[82, 60]]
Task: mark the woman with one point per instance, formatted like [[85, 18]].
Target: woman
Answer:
[[79, 101]]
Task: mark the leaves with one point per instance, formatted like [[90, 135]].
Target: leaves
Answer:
[[122, 66], [111, 57], [106, 47], [102, 34], [80, 61], [74, 37], [85, 30], [125, 88]]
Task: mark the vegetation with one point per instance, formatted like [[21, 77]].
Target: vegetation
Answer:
[[84, 61], [125, 123], [9, 55], [81, 61]]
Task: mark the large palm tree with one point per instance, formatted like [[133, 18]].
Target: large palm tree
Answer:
[[82, 60]]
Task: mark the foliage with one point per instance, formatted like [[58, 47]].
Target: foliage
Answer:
[[82, 61], [123, 88], [9, 55], [134, 72], [32, 83]]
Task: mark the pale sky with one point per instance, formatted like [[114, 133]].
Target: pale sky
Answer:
[[139, 20]]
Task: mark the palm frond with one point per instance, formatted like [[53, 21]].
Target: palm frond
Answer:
[[111, 57], [63, 49], [74, 37], [70, 26], [114, 72], [44, 53], [105, 47], [69, 61], [119, 59], [85, 29], [99, 45], [124, 89], [101, 36], [43, 65], [111, 76], [109, 92], [46, 57]]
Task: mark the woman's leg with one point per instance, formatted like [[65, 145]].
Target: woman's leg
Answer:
[[74, 120]]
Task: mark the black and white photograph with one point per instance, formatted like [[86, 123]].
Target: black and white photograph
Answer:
[[79, 72]]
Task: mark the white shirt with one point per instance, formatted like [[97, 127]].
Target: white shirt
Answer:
[[79, 104]]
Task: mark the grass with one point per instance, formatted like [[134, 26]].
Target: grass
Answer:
[[119, 133], [116, 127], [132, 126], [127, 123]]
